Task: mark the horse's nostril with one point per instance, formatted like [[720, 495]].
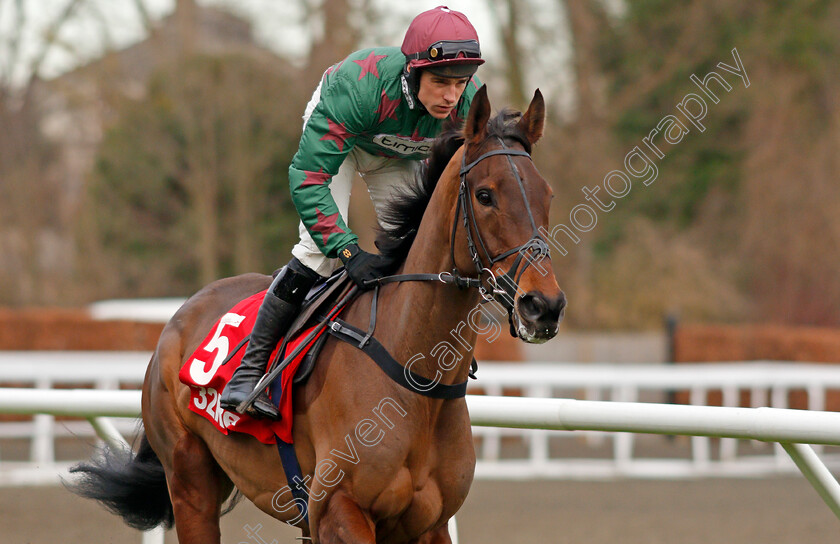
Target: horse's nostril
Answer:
[[532, 307]]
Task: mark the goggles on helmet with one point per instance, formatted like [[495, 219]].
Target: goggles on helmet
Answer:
[[448, 50]]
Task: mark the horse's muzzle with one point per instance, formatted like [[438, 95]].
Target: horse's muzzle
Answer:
[[538, 317]]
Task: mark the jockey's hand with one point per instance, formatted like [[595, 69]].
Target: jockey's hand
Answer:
[[364, 267]]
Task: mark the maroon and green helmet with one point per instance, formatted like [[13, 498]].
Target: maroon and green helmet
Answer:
[[444, 42]]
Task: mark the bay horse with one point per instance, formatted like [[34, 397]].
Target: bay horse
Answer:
[[382, 463]]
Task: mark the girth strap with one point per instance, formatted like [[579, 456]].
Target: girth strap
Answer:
[[291, 466], [393, 369]]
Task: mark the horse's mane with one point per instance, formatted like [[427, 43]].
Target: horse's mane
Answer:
[[404, 212]]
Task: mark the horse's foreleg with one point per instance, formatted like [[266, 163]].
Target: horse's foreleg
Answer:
[[197, 487], [343, 522]]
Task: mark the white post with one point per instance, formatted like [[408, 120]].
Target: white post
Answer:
[[539, 438], [154, 536], [594, 439], [700, 447], [816, 403], [816, 472], [453, 530], [759, 397], [729, 446], [108, 432], [623, 442], [43, 442], [492, 447], [779, 399]]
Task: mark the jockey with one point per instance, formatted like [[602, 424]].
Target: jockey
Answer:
[[375, 113]]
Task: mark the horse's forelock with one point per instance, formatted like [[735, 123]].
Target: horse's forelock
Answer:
[[506, 126]]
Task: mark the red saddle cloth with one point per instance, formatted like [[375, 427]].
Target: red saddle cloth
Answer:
[[207, 376]]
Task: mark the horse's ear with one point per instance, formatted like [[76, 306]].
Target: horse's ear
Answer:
[[533, 122], [478, 116]]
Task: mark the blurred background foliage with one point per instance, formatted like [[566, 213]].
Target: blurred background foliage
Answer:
[[192, 179], [151, 168]]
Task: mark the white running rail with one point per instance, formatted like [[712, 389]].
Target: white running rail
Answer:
[[768, 383], [503, 453], [792, 428]]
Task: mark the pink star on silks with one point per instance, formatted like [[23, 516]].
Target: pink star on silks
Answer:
[[415, 136], [336, 133], [369, 64], [387, 107], [315, 178], [334, 67], [326, 225]]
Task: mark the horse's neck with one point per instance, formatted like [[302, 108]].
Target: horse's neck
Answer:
[[423, 315]]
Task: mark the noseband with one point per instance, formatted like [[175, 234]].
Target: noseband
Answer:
[[501, 288]]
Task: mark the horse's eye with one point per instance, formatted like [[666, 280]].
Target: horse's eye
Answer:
[[484, 197]]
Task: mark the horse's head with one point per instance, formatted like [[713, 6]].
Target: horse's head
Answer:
[[504, 203]]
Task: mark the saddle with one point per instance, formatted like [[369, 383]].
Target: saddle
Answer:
[[213, 362], [321, 298]]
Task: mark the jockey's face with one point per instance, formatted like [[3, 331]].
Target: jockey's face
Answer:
[[440, 94]]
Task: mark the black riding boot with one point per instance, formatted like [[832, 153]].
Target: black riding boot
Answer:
[[277, 311]]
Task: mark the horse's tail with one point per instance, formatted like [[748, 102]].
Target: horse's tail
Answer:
[[130, 485]]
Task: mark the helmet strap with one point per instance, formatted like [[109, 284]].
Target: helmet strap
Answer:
[[410, 81], [410, 85]]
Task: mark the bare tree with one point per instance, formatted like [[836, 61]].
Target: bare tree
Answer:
[[31, 218], [338, 37], [201, 164], [508, 16]]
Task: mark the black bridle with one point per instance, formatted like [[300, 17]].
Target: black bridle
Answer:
[[507, 284], [502, 288]]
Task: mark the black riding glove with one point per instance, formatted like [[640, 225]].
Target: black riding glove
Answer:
[[364, 267]]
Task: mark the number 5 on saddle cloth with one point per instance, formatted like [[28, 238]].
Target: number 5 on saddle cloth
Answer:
[[212, 364]]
